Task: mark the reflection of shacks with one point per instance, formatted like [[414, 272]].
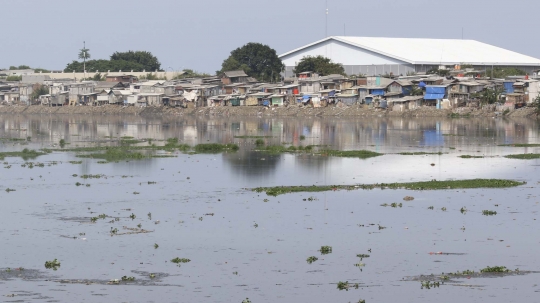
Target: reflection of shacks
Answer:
[[257, 99], [407, 102]]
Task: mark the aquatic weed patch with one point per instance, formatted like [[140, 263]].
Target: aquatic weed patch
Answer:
[[362, 154], [215, 147], [426, 185], [470, 157], [419, 153], [523, 156], [25, 154]]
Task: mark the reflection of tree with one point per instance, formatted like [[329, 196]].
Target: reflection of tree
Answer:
[[249, 163]]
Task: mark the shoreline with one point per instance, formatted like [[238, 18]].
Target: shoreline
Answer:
[[291, 111]]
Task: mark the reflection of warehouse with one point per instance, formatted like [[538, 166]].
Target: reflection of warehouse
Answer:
[[399, 56]]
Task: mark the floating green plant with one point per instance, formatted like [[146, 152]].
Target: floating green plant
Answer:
[[523, 156], [429, 285], [426, 185], [54, 264], [471, 157], [259, 142], [215, 148], [346, 285], [495, 269], [419, 153], [129, 279], [311, 259], [362, 256], [325, 250], [178, 261], [25, 154], [132, 216], [156, 246]]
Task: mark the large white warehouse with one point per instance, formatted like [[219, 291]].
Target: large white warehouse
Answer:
[[374, 56]]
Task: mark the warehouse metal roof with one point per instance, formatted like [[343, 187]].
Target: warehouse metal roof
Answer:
[[433, 51]]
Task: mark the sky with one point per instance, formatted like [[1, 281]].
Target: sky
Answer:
[[200, 34]]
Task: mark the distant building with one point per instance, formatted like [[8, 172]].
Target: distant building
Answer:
[[400, 56], [237, 76]]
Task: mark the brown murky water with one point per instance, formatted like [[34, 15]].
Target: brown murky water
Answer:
[[247, 245]]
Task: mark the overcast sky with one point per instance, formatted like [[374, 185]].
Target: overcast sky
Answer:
[[201, 34]]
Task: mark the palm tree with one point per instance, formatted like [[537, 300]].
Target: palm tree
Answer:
[[84, 54]]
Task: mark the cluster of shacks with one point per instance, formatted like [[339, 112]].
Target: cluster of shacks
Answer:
[[235, 88]]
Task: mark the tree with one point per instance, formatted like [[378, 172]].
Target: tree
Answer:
[[103, 66], [416, 91], [256, 60], [503, 72], [20, 67], [320, 65], [491, 95], [39, 90], [148, 61], [84, 53]]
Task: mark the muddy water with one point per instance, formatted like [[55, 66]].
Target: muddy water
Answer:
[[243, 246]]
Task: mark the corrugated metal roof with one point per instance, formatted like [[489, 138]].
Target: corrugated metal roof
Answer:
[[434, 51], [235, 73]]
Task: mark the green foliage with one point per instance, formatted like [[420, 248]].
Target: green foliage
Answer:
[[215, 148], [103, 65], [494, 269], [19, 67], [489, 213], [491, 95], [416, 91], [326, 250], [39, 90], [148, 61], [84, 54], [13, 78], [54, 264], [428, 185], [259, 142], [177, 261], [503, 72], [25, 154], [523, 156], [152, 76], [311, 259], [41, 70], [320, 65], [256, 60], [189, 73]]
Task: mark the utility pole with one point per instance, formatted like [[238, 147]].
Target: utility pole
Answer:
[[326, 19], [84, 59]]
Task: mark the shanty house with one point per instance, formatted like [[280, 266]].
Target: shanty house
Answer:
[[231, 77]]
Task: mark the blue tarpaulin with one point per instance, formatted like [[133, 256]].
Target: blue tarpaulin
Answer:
[[435, 90], [433, 96], [332, 93], [266, 103], [306, 97], [421, 84], [508, 87]]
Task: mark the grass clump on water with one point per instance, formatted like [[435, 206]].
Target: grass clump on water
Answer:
[[362, 154], [25, 154], [426, 185], [419, 153], [115, 154], [470, 157], [523, 156], [215, 147]]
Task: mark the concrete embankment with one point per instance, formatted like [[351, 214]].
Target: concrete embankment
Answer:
[[294, 111]]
